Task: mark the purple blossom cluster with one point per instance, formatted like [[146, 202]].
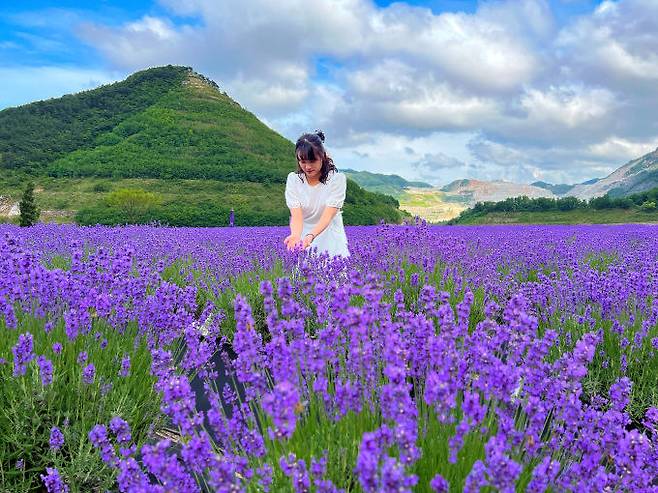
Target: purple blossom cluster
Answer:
[[436, 359], [54, 482]]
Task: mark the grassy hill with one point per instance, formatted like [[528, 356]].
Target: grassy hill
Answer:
[[392, 185], [168, 132]]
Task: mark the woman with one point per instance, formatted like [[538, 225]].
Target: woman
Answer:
[[315, 194]]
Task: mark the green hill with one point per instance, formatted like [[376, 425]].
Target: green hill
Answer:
[[392, 185], [168, 133]]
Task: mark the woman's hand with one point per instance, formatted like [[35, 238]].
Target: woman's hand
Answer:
[[308, 239], [291, 241]]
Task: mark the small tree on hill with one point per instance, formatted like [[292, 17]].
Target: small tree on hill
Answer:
[[28, 206], [133, 202]]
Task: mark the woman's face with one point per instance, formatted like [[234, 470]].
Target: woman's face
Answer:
[[311, 168]]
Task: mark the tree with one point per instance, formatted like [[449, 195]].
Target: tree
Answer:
[[28, 206], [133, 203]]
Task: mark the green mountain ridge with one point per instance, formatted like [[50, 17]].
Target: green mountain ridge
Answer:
[[393, 185], [167, 130]]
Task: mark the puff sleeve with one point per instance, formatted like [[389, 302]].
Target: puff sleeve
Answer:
[[293, 198], [337, 188]]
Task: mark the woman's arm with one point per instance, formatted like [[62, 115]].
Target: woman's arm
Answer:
[[296, 225], [327, 215], [296, 221]]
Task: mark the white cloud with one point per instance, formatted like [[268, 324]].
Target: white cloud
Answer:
[[619, 41], [504, 90], [567, 106], [395, 96], [473, 50], [621, 149]]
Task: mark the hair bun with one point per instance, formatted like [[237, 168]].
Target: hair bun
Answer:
[[320, 134]]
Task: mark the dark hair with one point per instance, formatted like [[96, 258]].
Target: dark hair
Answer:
[[309, 147]]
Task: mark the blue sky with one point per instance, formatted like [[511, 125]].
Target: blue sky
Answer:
[[558, 90]]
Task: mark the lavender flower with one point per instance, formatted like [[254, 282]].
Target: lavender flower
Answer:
[[53, 481], [22, 353], [56, 439], [125, 366], [88, 374], [45, 370], [282, 405]]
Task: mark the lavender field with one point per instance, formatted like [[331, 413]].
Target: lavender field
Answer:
[[434, 359]]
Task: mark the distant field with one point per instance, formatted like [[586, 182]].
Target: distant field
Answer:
[[430, 204], [603, 216]]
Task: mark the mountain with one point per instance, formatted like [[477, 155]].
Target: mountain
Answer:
[[393, 185], [415, 197], [440, 204], [168, 131], [556, 189], [562, 189], [638, 175], [473, 191]]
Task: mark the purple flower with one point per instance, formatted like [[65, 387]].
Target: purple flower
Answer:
[[57, 347], [297, 472], [543, 475], [439, 484], [166, 467], [121, 430], [651, 419], [620, 393], [53, 481], [125, 366], [45, 370], [198, 453], [88, 373], [131, 478], [282, 404], [99, 439], [56, 439], [178, 402], [22, 353]]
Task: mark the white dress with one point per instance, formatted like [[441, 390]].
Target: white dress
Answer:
[[313, 200]]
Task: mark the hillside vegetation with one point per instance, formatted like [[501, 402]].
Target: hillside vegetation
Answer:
[[639, 207], [167, 131]]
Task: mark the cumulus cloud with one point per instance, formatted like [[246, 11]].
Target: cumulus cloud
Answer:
[[621, 149], [396, 97], [619, 40], [440, 168], [536, 99]]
